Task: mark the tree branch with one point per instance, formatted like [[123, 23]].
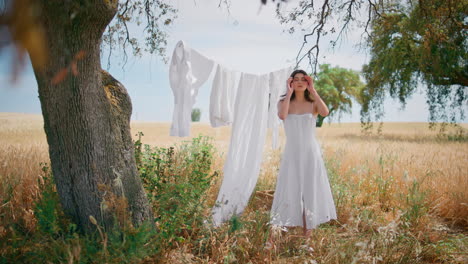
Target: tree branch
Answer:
[[348, 18], [372, 6], [318, 31], [157, 14]]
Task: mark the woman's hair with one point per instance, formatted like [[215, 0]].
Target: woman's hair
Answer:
[[306, 92]]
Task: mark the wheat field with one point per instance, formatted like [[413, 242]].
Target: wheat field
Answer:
[[380, 181]]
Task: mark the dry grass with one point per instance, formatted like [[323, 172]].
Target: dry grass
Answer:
[[380, 183], [407, 152], [23, 147]]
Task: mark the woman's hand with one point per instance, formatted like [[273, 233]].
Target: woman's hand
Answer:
[[310, 86], [320, 107]]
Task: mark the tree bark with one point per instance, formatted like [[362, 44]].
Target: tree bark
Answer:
[[320, 118], [319, 121], [87, 118]]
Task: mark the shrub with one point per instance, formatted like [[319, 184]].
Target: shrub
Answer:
[[176, 180]]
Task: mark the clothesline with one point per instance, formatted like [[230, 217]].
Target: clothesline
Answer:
[[246, 101]]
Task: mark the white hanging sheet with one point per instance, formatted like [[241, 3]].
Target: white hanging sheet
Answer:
[[245, 150], [277, 88], [223, 96]]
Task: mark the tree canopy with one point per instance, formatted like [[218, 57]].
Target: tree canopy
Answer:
[[19, 24], [420, 44], [153, 14]]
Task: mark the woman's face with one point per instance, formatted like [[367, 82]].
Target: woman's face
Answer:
[[299, 82]]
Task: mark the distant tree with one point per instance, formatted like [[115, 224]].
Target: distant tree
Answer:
[[196, 114], [338, 87]]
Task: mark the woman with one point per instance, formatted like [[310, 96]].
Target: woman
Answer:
[[303, 196]]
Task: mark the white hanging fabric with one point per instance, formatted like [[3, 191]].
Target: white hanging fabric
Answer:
[[222, 97], [251, 108], [187, 72], [244, 157], [277, 88]]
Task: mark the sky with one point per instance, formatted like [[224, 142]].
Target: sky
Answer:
[[248, 38]]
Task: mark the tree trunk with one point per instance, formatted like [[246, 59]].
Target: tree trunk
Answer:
[[320, 118], [319, 122], [87, 118]]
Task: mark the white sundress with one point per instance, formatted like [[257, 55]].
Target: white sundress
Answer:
[[302, 184]]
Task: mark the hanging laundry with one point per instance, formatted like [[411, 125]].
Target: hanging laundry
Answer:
[[187, 72], [244, 157], [223, 95], [277, 88], [251, 108]]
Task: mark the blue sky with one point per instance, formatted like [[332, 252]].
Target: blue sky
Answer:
[[249, 38]]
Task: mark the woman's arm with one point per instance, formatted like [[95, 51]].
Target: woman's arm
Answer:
[[320, 107], [283, 104]]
